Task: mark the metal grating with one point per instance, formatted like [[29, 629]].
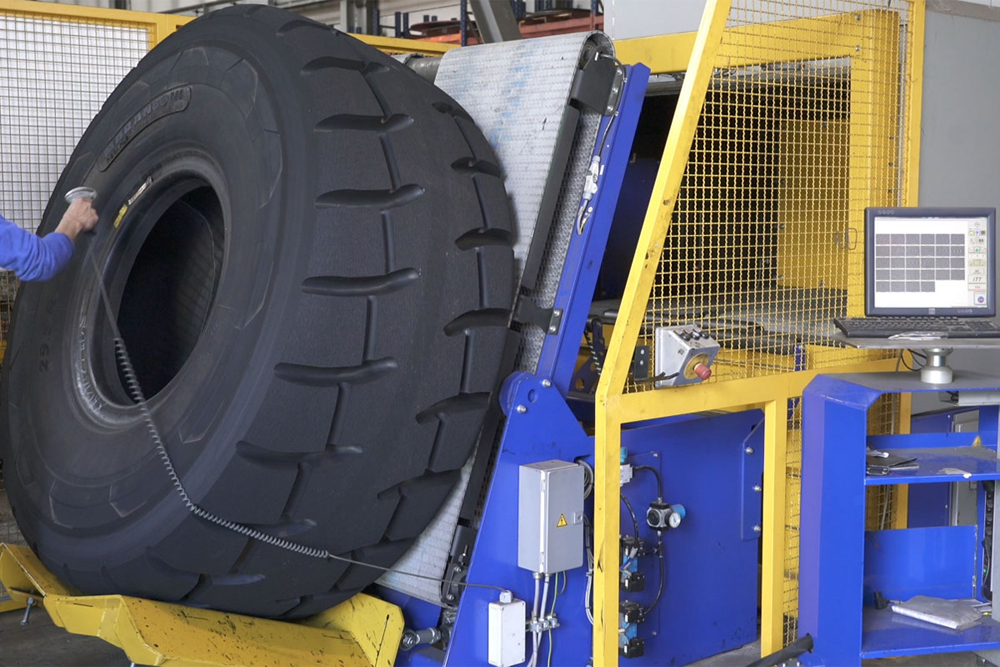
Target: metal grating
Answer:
[[793, 510], [55, 73], [803, 126]]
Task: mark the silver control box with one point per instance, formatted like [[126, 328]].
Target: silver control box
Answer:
[[550, 517], [683, 355]]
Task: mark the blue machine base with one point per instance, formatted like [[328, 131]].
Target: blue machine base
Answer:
[[709, 602]]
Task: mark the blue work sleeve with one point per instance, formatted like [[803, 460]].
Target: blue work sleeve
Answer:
[[33, 257]]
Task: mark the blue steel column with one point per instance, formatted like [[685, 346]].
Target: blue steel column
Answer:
[[832, 532], [586, 248]]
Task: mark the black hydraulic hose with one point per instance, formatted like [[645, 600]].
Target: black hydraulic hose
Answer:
[[659, 480], [793, 650]]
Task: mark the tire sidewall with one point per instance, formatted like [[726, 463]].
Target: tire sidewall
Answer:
[[200, 412]]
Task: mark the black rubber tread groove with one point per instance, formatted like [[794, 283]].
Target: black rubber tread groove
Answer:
[[380, 199], [473, 166], [360, 285], [298, 24], [271, 458], [379, 124], [479, 238], [468, 402], [486, 317], [320, 376], [392, 325], [328, 62]]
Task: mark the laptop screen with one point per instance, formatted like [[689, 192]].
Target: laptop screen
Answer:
[[932, 262]]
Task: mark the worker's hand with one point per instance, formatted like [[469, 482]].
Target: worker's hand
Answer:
[[79, 217]]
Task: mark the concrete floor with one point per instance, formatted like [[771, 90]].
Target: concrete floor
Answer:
[[42, 644], [746, 655]]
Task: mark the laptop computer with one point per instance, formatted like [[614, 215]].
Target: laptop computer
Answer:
[[929, 273]]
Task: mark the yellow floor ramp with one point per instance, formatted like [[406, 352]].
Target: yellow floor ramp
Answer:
[[362, 632]]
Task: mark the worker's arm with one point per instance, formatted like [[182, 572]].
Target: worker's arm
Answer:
[[33, 257]]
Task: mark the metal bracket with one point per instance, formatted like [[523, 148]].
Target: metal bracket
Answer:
[[458, 564], [598, 85], [528, 312], [640, 363]]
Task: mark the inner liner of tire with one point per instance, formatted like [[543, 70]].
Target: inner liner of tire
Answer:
[[166, 288]]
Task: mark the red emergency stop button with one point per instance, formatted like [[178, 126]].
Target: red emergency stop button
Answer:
[[703, 372]]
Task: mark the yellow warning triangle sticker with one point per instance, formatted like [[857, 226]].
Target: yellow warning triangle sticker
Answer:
[[562, 521]]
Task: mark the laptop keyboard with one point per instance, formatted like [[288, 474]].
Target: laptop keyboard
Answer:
[[945, 327]]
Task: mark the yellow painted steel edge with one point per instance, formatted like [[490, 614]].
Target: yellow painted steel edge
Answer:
[[732, 394], [911, 194], [662, 54], [362, 632], [157, 633], [608, 408], [10, 605], [915, 93], [394, 45], [22, 574], [375, 624], [773, 522], [833, 36]]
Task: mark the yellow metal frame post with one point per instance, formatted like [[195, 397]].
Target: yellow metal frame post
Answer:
[[607, 425]]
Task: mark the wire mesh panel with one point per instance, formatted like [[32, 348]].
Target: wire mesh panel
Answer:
[[803, 127], [54, 76], [805, 122], [55, 73]]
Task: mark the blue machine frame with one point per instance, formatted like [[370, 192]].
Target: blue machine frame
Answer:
[[841, 566], [711, 464]]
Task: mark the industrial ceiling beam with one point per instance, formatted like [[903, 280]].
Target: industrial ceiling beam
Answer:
[[495, 20]]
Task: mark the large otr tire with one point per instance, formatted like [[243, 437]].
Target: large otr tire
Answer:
[[313, 279]]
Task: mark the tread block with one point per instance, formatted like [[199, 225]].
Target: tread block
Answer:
[[304, 429], [237, 495], [318, 501], [218, 547], [160, 581], [419, 501]]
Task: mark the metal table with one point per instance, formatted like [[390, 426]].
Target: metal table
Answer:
[[936, 371]]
